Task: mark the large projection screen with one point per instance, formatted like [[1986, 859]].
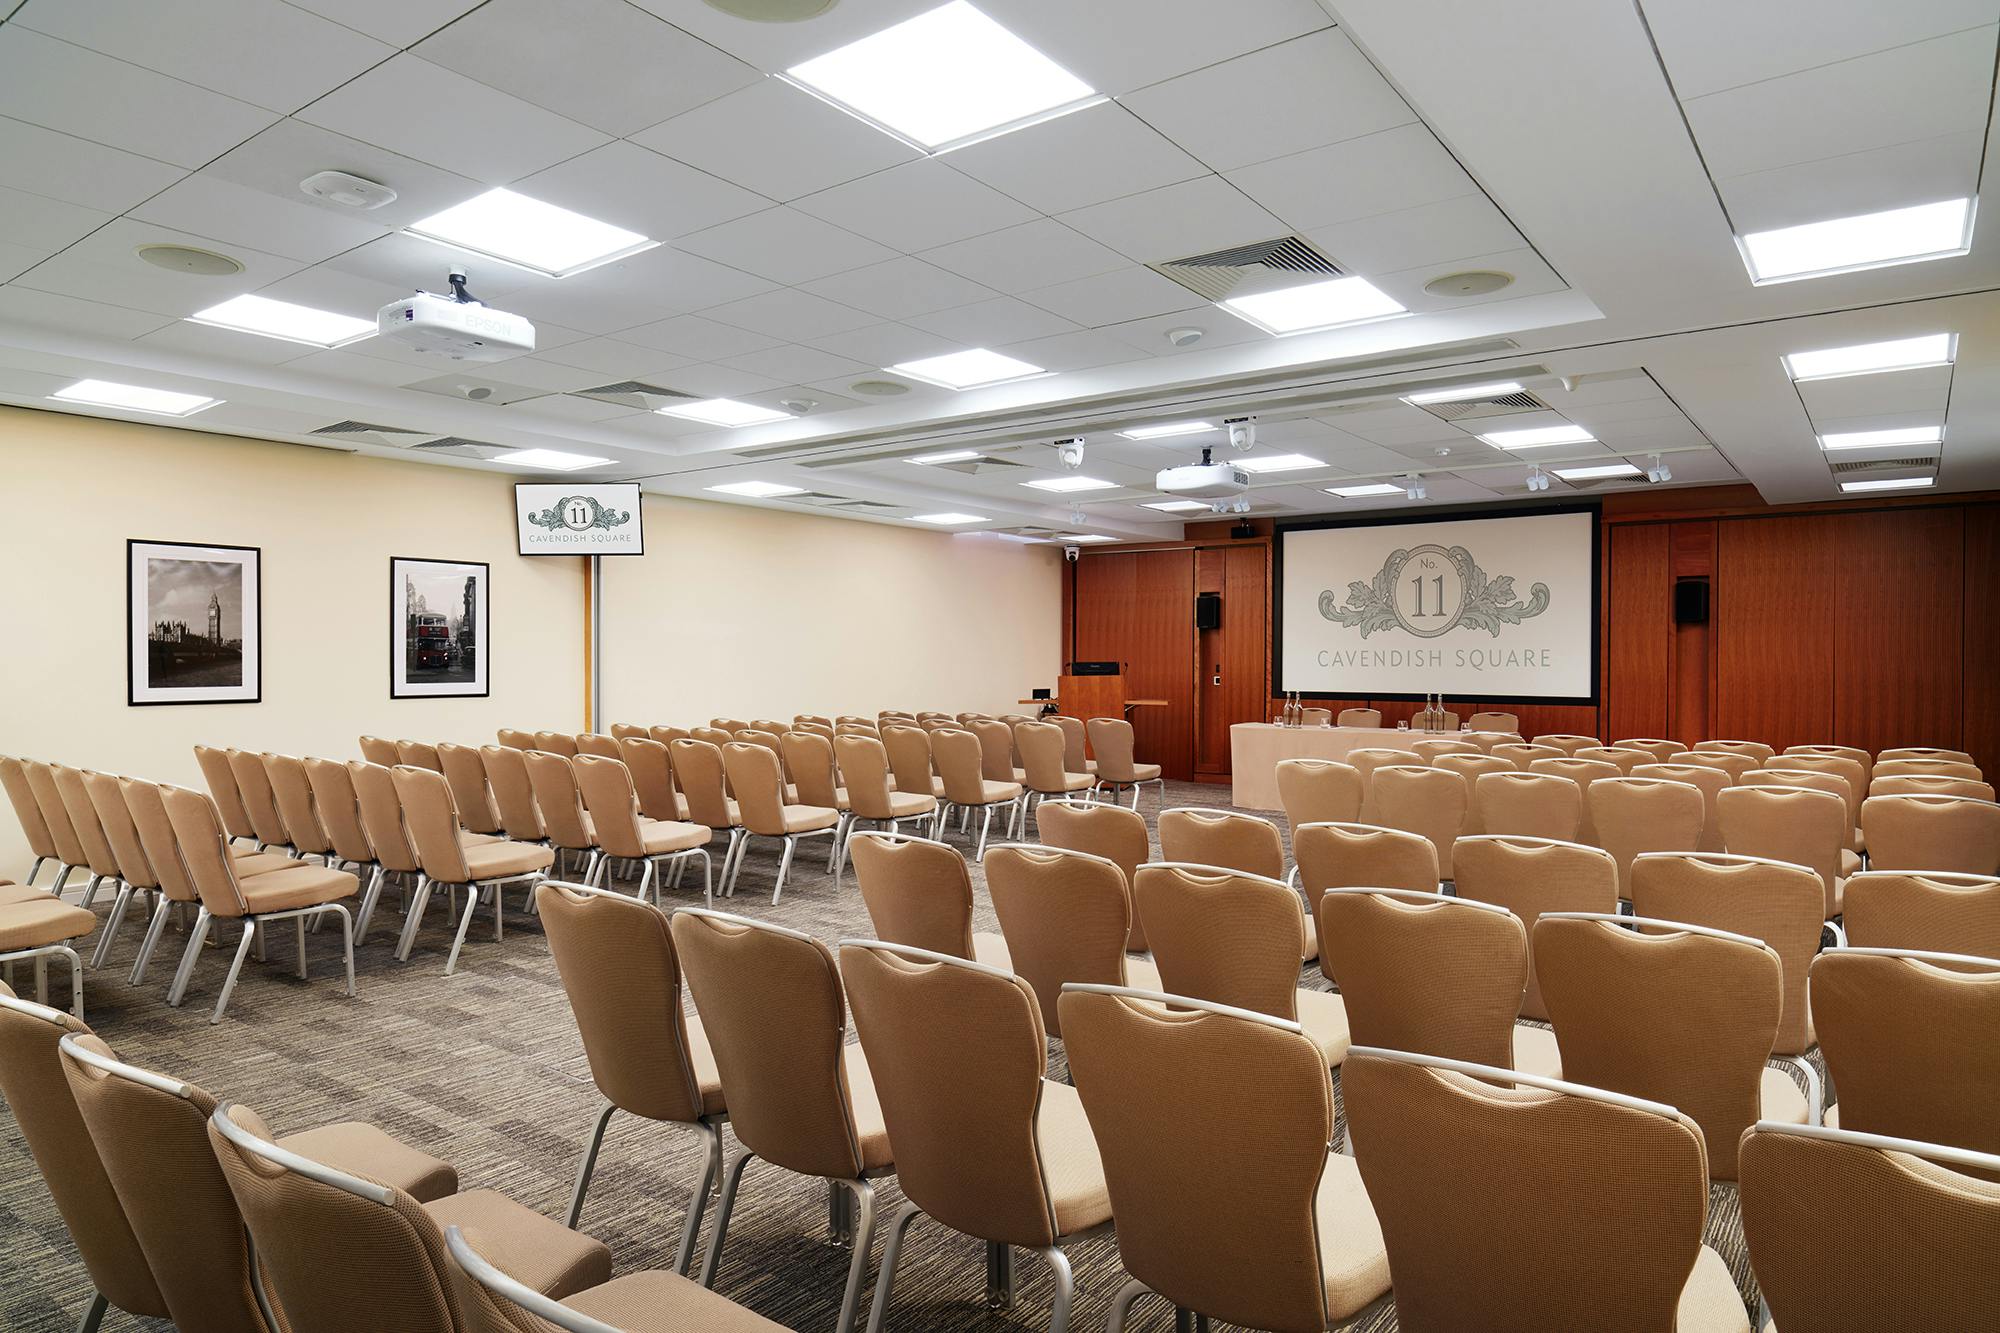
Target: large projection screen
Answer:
[[1477, 609]]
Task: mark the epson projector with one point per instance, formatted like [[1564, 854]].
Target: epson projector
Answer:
[[1204, 480], [461, 330]]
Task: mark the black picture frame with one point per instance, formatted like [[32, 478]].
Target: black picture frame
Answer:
[[401, 686], [250, 649], [1451, 515]]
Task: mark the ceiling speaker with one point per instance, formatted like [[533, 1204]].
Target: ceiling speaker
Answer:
[[1473, 282], [187, 259], [772, 11]]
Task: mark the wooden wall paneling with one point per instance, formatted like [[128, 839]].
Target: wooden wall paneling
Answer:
[[1246, 657], [1980, 677], [1639, 634], [1211, 721], [1137, 607], [1772, 611], [1554, 719], [1691, 658], [1899, 628]]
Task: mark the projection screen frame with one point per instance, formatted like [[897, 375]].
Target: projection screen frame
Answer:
[[1458, 514]]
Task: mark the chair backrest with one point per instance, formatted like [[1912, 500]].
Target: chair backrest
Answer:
[[1795, 824], [1337, 856], [864, 769], [556, 742], [339, 809], [1896, 752], [1772, 775], [1075, 738], [1214, 1193], [1520, 753], [221, 782], [1319, 791], [1532, 805], [381, 813], [1735, 765], [996, 749], [1756, 751], [1316, 717], [1470, 768], [1435, 719], [668, 735], [516, 739], [1669, 1012], [620, 730], [809, 758], [1423, 972], [1111, 742], [698, 769], [1911, 1227], [1111, 831], [652, 774], [917, 891], [1937, 768], [1506, 722], [1426, 751], [1915, 909], [156, 836], [1582, 772], [957, 1051], [1227, 839], [1366, 760], [1041, 747], [379, 750], [1932, 833], [1908, 1041], [32, 1081], [770, 740], [253, 786], [1458, 1157], [775, 1015], [75, 798], [34, 829], [513, 792], [909, 750], [1568, 742], [597, 743], [1634, 815], [556, 796], [1659, 750], [1858, 755], [1704, 779], [1850, 771], [292, 790], [1921, 784], [198, 834], [716, 736], [1429, 802], [759, 783], [1530, 876], [107, 799], [729, 723], [431, 822], [1359, 717], [465, 769], [418, 754], [1745, 895], [959, 760], [611, 802], [1066, 916], [1222, 935], [616, 958]]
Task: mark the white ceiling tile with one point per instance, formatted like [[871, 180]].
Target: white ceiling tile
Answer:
[[786, 246], [886, 344], [568, 407], [80, 92], [694, 338], [410, 263], [1376, 173], [713, 381], [1190, 218], [537, 372], [776, 140], [1035, 254], [611, 358], [1073, 351], [33, 221], [1113, 298], [1413, 237], [602, 63], [1709, 45], [898, 288], [105, 266], [465, 127], [224, 45], [627, 186], [1941, 86], [993, 323], [635, 291], [1099, 153], [345, 366], [18, 259], [209, 206], [1531, 273], [1946, 167], [324, 287], [398, 22], [1218, 330], [788, 314], [24, 305], [223, 345], [916, 390], [77, 171], [796, 364], [916, 206], [1119, 45], [1313, 90], [276, 160]]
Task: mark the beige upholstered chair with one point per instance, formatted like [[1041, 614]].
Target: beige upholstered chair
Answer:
[[1933, 910], [1756, 751], [97, 853], [258, 901], [996, 751], [1338, 856], [1708, 781], [1319, 791], [620, 730], [800, 1098], [1472, 767], [1634, 815], [808, 757], [1429, 802], [150, 1133], [465, 770], [1901, 752], [1110, 831], [221, 782], [512, 737], [1660, 750], [1510, 1203], [1359, 717], [1619, 757], [1932, 833], [1316, 717], [662, 847], [556, 742], [1850, 771], [1507, 723], [1521, 754], [1932, 768], [337, 805], [1915, 1224], [1673, 1013], [253, 787], [1568, 742], [759, 784], [1230, 1208], [1228, 839], [1918, 784], [1366, 761], [1533, 805], [380, 811], [775, 743], [1735, 765], [35, 830], [417, 754], [1858, 755], [668, 735], [1232, 937], [864, 767], [1582, 772], [597, 743], [1774, 775], [1530, 876], [135, 868], [700, 774], [1076, 744], [959, 761], [489, 867], [1111, 740], [652, 771], [1066, 916], [1043, 762], [378, 750], [567, 827], [1434, 719], [1436, 975], [291, 792], [163, 853], [1793, 824], [918, 892], [513, 792], [621, 972], [984, 1143], [909, 750], [1426, 751], [36, 926]]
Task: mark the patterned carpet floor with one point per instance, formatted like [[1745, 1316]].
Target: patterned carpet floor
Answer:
[[485, 1069]]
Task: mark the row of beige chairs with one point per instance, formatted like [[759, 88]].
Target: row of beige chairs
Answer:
[[1433, 719]]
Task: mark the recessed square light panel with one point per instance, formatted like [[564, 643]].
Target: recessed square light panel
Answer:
[[528, 233], [1866, 240], [134, 398]]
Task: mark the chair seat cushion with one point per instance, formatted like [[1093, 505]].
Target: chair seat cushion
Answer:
[[810, 818], [1073, 782], [991, 949], [536, 1251], [1710, 1302], [1145, 772], [1850, 863], [1141, 973], [261, 863], [300, 886], [903, 804], [1070, 1164], [1324, 1017], [1352, 1262], [496, 860], [238, 851], [994, 793], [1536, 1052], [364, 1150], [659, 835], [871, 1131], [467, 838], [1781, 1099], [662, 1302], [707, 1078], [10, 892], [34, 924]]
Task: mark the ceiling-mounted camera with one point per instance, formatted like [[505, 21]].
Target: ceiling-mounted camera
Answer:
[[1242, 432], [1072, 553], [1070, 451]]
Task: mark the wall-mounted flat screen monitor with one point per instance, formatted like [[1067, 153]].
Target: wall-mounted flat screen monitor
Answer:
[[579, 518]]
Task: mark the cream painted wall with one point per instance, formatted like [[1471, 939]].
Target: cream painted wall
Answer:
[[73, 489], [744, 612]]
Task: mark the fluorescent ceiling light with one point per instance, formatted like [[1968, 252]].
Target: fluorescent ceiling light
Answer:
[[1537, 437], [1462, 393], [1931, 349], [1867, 240], [281, 319], [1316, 305], [1177, 506], [967, 370], [949, 520], [944, 79], [1071, 484], [1170, 429], [164, 402], [724, 412], [1889, 484], [1359, 492], [549, 460], [530, 234], [1597, 473], [758, 490], [1875, 439], [1278, 463], [948, 456], [1082, 537]]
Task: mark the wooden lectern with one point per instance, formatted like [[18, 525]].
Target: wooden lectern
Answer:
[[1091, 696]]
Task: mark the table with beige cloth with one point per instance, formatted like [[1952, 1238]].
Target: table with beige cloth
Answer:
[[1256, 747]]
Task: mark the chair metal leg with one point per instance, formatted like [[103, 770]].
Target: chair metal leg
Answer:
[[178, 990], [151, 942], [646, 868], [892, 1254], [368, 898], [250, 932], [111, 924], [62, 878], [839, 830], [413, 916], [587, 1166], [857, 1266], [1121, 1304], [713, 1260], [465, 925], [93, 1314], [34, 870], [90, 891], [784, 868], [346, 942], [711, 1176], [299, 932], [1183, 1320], [999, 1276], [985, 825], [1065, 1295]]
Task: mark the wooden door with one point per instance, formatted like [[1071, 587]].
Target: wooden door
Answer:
[[1137, 607]]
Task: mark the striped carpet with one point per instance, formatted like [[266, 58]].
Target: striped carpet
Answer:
[[485, 1070]]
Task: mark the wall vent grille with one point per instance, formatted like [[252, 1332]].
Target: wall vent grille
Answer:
[[1884, 465], [1479, 409], [634, 393]]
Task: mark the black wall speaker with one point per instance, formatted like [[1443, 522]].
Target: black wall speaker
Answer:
[[1690, 601], [1208, 610]]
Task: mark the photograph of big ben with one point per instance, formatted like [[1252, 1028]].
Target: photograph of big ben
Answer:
[[437, 628], [194, 623]]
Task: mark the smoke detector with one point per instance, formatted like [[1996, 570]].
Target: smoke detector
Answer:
[[345, 191], [1186, 336]]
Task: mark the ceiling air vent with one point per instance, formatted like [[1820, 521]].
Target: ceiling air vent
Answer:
[[367, 432], [459, 447], [1479, 409], [1883, 465], [822, 500], [1219, 273], [634, 393]]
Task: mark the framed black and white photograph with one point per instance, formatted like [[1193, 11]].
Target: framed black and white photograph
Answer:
[[438, 622], [193, 623]]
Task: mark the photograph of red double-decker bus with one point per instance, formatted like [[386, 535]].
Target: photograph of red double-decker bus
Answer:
[[440, 618]]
